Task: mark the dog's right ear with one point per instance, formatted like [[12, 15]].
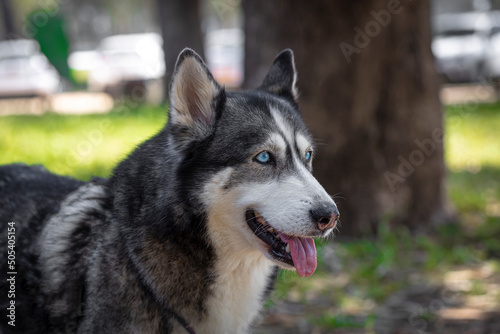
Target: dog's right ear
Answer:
[[194, 96]]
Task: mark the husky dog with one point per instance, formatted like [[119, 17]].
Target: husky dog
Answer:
[[188, 233]]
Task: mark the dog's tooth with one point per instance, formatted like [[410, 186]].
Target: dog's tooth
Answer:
[[261, 220], [287, 248]]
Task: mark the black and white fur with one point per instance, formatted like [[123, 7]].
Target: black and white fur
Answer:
[[165, 239]]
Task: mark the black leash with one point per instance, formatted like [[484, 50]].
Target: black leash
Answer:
[[166, 308], [183, 322]]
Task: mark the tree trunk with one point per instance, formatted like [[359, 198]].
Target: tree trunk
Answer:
[[180, 26], [8, 19], [369, 93]]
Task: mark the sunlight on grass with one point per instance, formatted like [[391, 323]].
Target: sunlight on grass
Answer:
[[472, 137], [472, 144], [81, 146]]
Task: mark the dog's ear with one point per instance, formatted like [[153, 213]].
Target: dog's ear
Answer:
[[193, 96], [282, 76]]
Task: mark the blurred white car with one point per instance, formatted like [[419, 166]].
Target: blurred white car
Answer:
[[224, 50], [81, 63], [127, 61], [460, 45], [25, 71], [492, 62]]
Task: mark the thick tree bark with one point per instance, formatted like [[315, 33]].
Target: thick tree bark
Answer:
[[8, 19], [369, 93], [180, 26]]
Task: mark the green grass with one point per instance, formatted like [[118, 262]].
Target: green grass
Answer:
[[473, 137], [81, 146], [369, 270], [472, 143]]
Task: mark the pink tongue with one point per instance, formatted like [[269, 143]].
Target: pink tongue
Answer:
[[303, 252]]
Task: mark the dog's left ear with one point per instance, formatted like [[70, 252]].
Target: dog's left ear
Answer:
[[282, 76], [193, 96]]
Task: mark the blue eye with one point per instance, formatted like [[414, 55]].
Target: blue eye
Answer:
[[263, 157], [308, 156]]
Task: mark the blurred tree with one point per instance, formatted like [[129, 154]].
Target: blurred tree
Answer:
[[369, 92], [49, 30], [180, 26], [8, 19]]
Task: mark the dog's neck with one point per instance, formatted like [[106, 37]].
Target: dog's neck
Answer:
[[243, 276], [227, 281]]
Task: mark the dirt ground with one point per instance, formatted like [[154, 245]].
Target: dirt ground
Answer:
[[450, 307]]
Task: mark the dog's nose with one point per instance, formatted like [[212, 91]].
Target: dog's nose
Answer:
[[325, 216]]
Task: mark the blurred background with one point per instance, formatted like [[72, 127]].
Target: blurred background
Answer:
[[401, 96]]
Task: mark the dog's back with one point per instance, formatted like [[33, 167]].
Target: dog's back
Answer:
[[31, 193], [29, 196]]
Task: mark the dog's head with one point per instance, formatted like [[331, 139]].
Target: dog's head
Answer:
[[247, 158]]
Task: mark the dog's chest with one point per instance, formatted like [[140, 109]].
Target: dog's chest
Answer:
[[237, 295]]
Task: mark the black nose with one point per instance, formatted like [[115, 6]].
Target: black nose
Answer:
[[325, 216]]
